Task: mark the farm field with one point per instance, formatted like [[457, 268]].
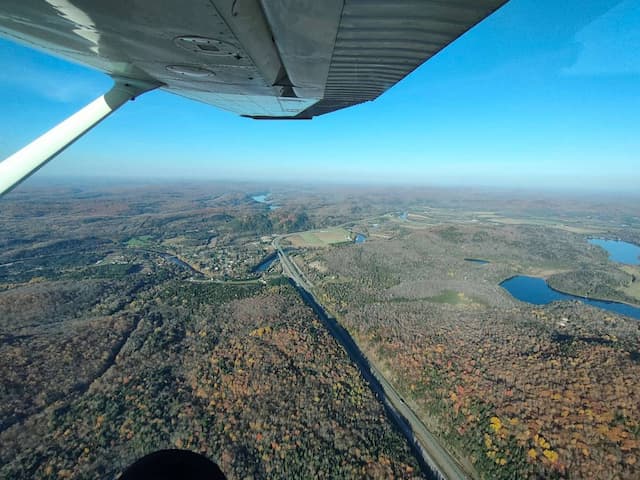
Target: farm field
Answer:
[[320, 238]]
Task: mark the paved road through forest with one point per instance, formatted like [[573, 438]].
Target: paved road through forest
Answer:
[[439, 461]]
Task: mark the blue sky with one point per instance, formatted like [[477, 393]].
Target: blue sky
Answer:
[[543, 94]]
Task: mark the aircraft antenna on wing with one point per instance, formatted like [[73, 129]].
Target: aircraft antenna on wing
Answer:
[[19, 166]]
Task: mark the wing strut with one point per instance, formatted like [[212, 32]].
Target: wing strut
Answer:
[[29, 159]]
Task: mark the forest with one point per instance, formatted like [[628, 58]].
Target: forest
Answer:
[[110, 352], [515, 390], [131, 319], [206, 371]]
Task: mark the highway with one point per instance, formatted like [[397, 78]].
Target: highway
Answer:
[[432, 455]]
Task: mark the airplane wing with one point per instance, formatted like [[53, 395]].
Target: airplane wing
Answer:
[[264, 59], [257, 58]]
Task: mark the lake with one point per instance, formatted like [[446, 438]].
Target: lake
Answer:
[[536, 291], [619, 251], [262, 198], [360, 238]]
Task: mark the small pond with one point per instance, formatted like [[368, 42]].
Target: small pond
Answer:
[[476, 260]]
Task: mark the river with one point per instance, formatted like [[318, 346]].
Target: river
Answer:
[[176, 261], [265, 263]]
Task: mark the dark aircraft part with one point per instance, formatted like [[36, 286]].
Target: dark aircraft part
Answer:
[[173, 465]]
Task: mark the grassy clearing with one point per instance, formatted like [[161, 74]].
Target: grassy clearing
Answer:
[[320, 238], [633, 290], [545, 223], [142, 241], [178, 241], [451, 297]]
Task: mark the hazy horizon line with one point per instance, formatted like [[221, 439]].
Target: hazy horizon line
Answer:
[[88, 180]]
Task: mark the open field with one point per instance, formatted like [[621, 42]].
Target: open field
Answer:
[[434, 216], [633, 290], [143, 241], [320, 238], [546, 223]]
